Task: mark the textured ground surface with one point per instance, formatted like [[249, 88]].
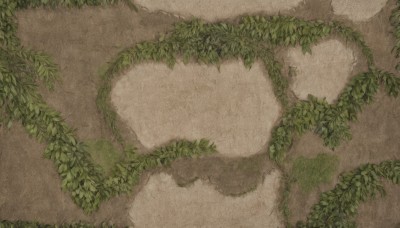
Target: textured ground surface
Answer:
[[358, 10], [214, 10], [235, 107], [81, 41], [324, 73], [161, 203]]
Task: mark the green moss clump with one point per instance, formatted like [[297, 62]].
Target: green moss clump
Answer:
[[103, 153], [311, 172]]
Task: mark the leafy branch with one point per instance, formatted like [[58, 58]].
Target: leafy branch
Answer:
[[337, 207], [330, 121], [254, 37]]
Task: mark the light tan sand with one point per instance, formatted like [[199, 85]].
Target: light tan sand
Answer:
[[212, 10], [358, 10], [324, 73], [235, 108], [161, 203]]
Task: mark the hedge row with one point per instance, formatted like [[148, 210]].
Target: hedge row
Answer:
[[20, 70], [79, 175], [330, 121], [337, 207], [19, 101], [254, 37]]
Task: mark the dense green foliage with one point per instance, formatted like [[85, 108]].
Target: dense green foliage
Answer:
[[254, 37], [19, 100], [20, 70], [330, 121], [337, 207], [309, 173]]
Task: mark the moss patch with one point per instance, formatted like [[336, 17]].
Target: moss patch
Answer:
[[311, 172], [103, 153]]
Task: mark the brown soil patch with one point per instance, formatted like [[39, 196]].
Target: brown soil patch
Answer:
[[234, 107], [367, 146], [80, 41], [358, 10], [216, 10], [230, 176], [375, 136], [324, 73], [161, 203]]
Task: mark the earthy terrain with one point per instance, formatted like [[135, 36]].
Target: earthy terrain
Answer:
[[234, 107]]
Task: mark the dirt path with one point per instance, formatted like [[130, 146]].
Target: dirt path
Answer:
[[358, 10], [81, 41], [324, 73], [216, 10], [234, 107], [161, 203]]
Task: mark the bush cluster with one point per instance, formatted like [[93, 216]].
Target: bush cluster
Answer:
[[253, 38], [330, 121], [337, 207]]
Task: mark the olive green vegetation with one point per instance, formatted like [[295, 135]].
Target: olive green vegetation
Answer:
[[337, 207], [20, 71], [256, 38], [309, 173], [253, 38], [103, 153]]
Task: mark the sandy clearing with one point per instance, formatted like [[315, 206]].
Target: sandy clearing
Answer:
[[358, 10], [161, 203], [216, 10], [235, 108], [324, 73]]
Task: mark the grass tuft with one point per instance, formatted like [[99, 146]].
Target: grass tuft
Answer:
[[103, 153], [311, 172]]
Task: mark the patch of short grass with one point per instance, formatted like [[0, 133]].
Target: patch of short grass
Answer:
[[311, 172], [103, 153]]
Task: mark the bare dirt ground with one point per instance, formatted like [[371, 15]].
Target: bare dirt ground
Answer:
[[161, 203], [216, 10], [358, 10], [375, 133], [82, 41], [324, 73], [234, 107]]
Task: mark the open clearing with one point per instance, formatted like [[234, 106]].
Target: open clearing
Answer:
[[216, 10], [358, 10], [161, 203], [235, 107], [324, 73]]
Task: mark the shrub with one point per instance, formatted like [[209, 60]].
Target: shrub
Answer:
[[337, 207]]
